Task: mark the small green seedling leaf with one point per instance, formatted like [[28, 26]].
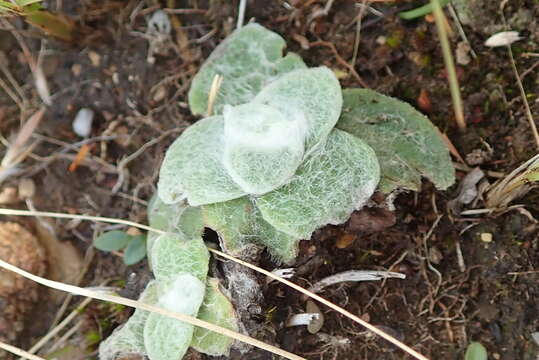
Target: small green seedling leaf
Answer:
[[248, 59], [476, 351], [406, 143], [193, 167], [216, 309], [328, 186], [112, 241], [135, 250]]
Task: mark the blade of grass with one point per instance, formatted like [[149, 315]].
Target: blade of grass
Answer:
[[449, 64], [420, 11]]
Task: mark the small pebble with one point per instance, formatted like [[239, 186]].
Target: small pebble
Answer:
[[27, 188], [486, 237], [82, 125]]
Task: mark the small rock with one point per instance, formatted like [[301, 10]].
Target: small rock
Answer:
[[8, 196], [486, 237], [82, 125], [27, 188], [76, 69], [95, 58], [463, 53]]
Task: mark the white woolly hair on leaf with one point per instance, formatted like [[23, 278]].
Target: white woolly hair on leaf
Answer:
[[166, 338], [263, 147], [184, 294]]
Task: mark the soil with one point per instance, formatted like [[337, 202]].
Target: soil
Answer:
[[441, 306]]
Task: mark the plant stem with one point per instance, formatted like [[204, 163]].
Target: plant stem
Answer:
[[449, 64]]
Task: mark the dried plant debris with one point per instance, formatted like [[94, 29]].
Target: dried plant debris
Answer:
[[354, 275], [18, 295], [515, 185]]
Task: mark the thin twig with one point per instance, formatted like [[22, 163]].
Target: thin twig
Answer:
[[241, 13], [364, 5], [79, 217], [19, 352], [340, 60], [523, 95]]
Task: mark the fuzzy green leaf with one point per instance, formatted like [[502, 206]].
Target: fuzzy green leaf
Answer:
[[129, 339], [239, 224], [179, 218], [193, 167], [263, 147], [232, 220], [308, 96], [172, 254], [216, 309], [406, 143], [166, 338], [135, 250], [248, 59], [112, 241], [328, 186]]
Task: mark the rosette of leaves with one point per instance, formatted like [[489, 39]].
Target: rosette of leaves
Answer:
[[281, 156]]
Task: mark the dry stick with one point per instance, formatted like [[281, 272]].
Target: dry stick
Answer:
[[142, 306], [364, 5], [344, 312], [241, 13], [523, 95], [449, 65], [19, 352]]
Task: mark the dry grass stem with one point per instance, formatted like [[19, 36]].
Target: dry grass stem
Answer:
[[214, 90], [523, 95], [449, 64], [20, 148], [19, 352]]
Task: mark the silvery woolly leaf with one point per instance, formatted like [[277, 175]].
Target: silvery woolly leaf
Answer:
[[263, 147], [216, 309], [239, 224], [179, 218], [166, 338], [193, 167], [312, 96], [328, 186], [172, 254], [232, 220], [406, 143], [129, 339], [248, 59]]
